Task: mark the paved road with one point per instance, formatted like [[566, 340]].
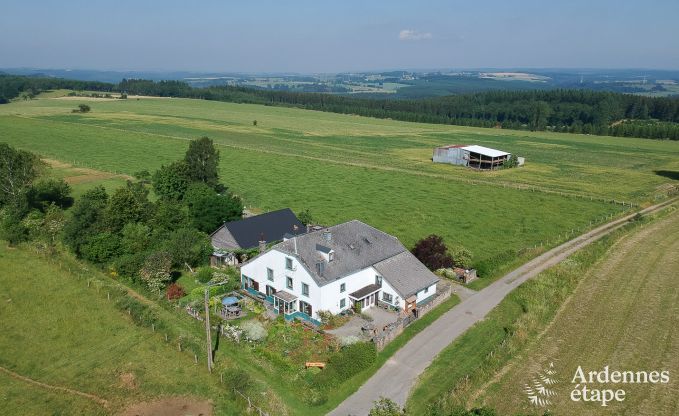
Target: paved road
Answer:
[[398, 375]]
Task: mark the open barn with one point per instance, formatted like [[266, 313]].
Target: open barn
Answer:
[[474, 156]]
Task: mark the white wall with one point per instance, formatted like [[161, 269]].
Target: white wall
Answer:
[[327, 297], [275, 260], [421, 295]]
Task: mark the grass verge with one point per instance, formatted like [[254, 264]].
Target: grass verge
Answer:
[[469, 362]]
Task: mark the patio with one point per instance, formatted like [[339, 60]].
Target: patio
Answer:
[[355, 327]]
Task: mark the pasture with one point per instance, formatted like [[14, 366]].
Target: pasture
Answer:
[[57, 331], [637, 281], [342, 167]]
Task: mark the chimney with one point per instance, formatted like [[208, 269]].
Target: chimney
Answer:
[[327, 235], [308, 228], [262, 243]]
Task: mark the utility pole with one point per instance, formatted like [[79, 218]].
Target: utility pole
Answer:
[[207, 324], [207, 328]]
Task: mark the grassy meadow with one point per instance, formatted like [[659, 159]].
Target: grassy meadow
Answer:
[[621, 283], [343, 167], [637, 279], [56, 330]]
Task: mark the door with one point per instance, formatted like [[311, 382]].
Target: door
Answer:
[[305, 308]]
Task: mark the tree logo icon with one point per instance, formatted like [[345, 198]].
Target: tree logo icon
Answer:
[[541, 389]]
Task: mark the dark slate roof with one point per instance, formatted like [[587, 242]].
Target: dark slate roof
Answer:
[[406, 273], [247, 232], [358, 246], [365, 291]]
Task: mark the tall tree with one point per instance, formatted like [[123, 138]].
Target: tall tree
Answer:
[[86, 218], [202, 159], [170, 182], [128, 204], [18, 169], [208, 209]]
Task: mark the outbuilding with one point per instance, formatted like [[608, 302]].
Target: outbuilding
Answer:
[[473, 156]]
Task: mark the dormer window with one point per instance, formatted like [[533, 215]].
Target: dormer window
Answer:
[[326, 253]]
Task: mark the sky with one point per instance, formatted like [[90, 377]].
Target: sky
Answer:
[[337, 36]]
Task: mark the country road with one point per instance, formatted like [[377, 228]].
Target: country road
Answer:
[[398, 375]]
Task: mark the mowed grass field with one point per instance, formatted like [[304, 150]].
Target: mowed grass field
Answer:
[[343, 167], [56, 330], [625, 315]]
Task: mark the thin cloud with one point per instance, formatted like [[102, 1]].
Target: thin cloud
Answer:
[[410, 34]]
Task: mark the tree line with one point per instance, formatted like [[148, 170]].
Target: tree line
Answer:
[[123, 231], [565, 110]]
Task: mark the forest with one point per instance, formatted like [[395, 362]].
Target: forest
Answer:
[[563, 110]]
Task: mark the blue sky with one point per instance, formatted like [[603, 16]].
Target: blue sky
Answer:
[[324, 36]]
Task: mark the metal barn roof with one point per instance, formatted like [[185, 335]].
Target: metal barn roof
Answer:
[[486, 151]]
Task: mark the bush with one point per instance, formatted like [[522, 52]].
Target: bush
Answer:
[[254, 330], [101, 247], [433, 253], [50, 191], [175, 291], [84, 108], [204, 274], [238, 379], [344, 364]]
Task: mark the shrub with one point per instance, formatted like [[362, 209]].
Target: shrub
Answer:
[[344, 364], [461, 257], [254, 330], [433, 253], [84, 108], [175, 291], [204, 274], [238, 379]]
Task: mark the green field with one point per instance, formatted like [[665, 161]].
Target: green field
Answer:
[[56, 330], [343, 167], [638, 281], [611, 303]]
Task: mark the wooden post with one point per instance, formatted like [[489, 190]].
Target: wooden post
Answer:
[[207, 329]]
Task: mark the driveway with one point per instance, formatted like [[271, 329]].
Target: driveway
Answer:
[[398, 375], [380, 318]]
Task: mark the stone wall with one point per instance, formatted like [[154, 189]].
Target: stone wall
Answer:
[[382, 339]]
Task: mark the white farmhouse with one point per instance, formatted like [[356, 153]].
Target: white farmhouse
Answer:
[[334, 268]]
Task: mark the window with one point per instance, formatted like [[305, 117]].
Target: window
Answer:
[[387, 297], [288, 263], [269, 274], [305, 289], [288, 282], [343, 287], [378, 280], [343, 303], [426, 289], [331, 255]]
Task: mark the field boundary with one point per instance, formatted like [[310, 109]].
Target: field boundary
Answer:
[[92, 397]]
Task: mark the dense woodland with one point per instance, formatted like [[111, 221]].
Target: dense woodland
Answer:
[[572, 110]]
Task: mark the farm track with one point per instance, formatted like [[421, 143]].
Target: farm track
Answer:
[[499, 184], [17, 376], [399, 374]]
